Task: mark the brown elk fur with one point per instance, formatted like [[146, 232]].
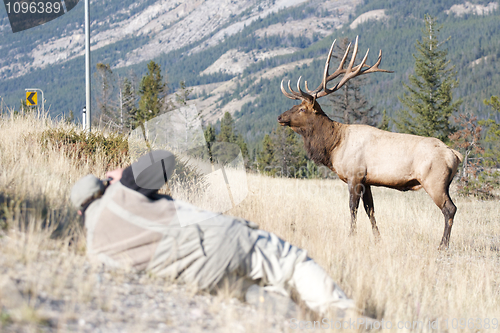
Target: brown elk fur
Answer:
[[364, 156]]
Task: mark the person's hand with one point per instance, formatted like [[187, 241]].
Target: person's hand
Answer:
[[115, 174]]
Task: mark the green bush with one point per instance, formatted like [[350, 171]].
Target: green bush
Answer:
[[89, 146]]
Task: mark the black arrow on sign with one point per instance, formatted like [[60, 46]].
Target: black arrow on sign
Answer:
[[30, 98]]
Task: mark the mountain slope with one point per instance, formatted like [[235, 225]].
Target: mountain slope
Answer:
[[127, 35], [234, 54]]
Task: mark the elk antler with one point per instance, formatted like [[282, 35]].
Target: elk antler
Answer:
[[350, 72], [296, 95]]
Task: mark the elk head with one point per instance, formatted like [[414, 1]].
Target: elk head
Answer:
[[302, 116]]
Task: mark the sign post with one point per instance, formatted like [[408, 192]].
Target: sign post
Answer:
[[87, 66], [32, 97], [84, 118]]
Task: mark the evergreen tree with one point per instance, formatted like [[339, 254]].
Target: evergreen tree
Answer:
[[265, 157], [240, 141], [428, 99], [152, 90], [348, 103], [105, 105], [209, 133], [128, 104], [227, 129], [283, 155], [289, 155], [492, 134], [182, 95], [384, 125], [494, 102], [227, 134]]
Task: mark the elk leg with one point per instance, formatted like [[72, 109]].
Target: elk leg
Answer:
[[449, 209], [355, 191], [441, 197], [370, 210]]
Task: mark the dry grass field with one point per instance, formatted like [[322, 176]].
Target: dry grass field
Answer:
[[403, 279]]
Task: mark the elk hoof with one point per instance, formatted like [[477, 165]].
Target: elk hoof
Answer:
[[443, 246]]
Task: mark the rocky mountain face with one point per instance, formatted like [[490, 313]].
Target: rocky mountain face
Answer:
[[139, 31], [233, 53], [166, 25]]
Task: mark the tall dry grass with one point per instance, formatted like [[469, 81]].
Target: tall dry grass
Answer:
[[34, 208], [402, 278]]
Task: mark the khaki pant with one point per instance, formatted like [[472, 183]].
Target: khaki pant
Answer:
[[282, 267]]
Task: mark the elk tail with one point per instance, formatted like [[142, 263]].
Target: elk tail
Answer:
[[458, 155]]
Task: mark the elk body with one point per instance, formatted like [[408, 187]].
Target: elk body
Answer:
[[364, 156]]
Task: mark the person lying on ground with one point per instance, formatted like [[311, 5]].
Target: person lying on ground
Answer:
[[129, 223]]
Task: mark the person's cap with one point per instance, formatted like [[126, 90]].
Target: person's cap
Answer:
[[153, 169], [84, 189]]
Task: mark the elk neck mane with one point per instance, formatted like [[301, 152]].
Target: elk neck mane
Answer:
[[322, 138]]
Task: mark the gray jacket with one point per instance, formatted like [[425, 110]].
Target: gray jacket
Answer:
[[125, 227]]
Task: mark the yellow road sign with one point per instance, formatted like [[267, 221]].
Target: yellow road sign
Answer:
[[31, 98]]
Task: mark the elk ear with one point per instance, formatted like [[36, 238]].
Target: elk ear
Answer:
[[314, 102]]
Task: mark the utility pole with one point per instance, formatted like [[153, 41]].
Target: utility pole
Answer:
[[87, 66], [121, 109]]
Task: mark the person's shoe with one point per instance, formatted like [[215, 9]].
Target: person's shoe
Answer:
[[361, 323], [271, 302]]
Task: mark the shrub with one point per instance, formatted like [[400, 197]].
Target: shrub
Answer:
[[474, 179], [479, 183], [81, 145]]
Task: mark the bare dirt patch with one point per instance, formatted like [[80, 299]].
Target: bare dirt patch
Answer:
[[235, 62], [469, 8], [339, 12], [378, 14]]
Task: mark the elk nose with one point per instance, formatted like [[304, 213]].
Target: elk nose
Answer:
[[279, 118]]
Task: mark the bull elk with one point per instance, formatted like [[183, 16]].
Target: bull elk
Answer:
[[364, 156]]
